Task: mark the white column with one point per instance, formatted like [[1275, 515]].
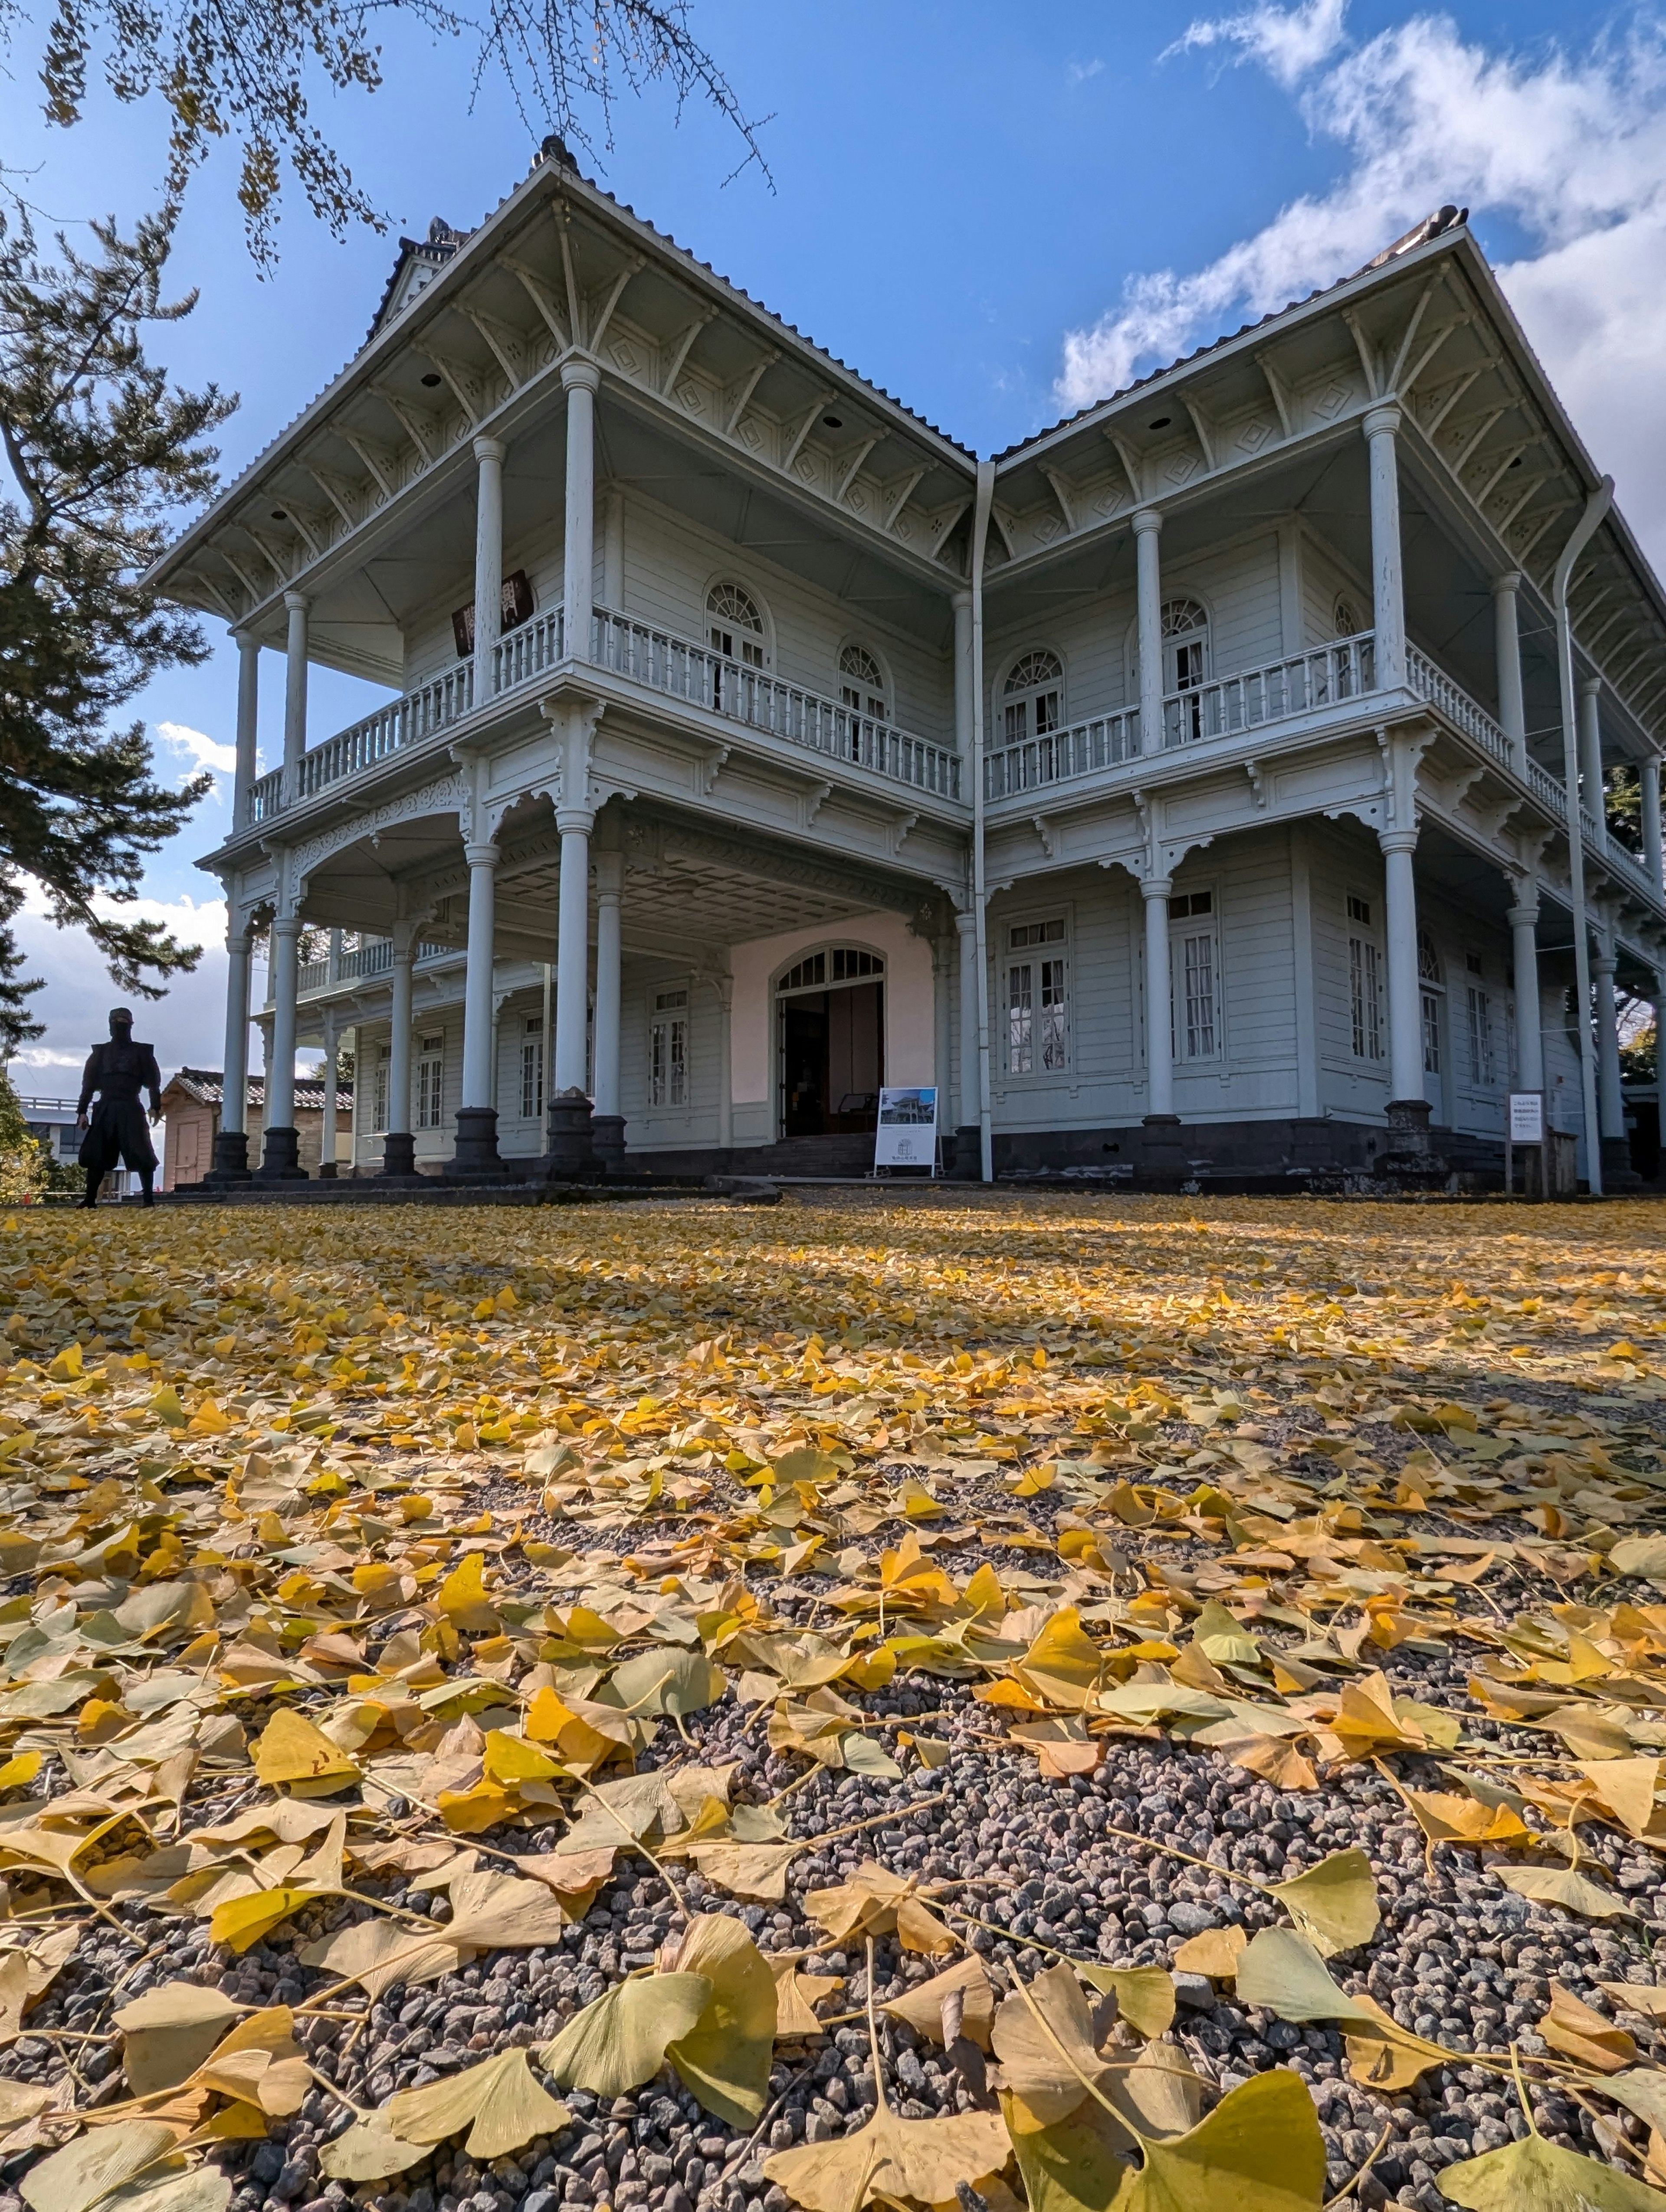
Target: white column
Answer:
[[962, 676], [235, 1084], [286, 976], [1382, 426], [398, 1041], [724, 986], [1507, 645], [1405, 990], [482, 860], [966, 1106], [1148, 527], [610, 887], [488, 563], [328, 1075], [1160, 1036], [356, 1112], [1523, 919], [1649, 776], [579, 380], [248, 726], [573, 946], [613, 549], [294, 695], [1611, 1104], [1590, 751]]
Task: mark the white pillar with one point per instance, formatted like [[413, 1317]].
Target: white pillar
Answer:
[[488, 564], [1611, 1104], [613, 549], [356, 1111], [1507, 646], [295, 696], [966, 1105], [1649, 776], [1523, 918], [1159, 1032], [1382, 426], [1148, 527], [579, 380], [482, 860], [573, 946], [328, 1077], [1405, 989], [234, 1081], [398, 1041], [1590, 751], [248, 726], [724, 986], [962, 676], [286, 977], [610, 887]]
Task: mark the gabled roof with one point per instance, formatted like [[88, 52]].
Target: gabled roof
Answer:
[[206, 1086]]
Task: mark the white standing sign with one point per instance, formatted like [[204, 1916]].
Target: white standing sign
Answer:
[[905, 1135], [1527, 1117]]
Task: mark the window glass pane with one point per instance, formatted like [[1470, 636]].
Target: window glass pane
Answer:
[[1199, 962], [1430, 1034], [1020, 1017], [1054, 1006]]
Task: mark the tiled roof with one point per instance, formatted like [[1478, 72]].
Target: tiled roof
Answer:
[[206, 1086]]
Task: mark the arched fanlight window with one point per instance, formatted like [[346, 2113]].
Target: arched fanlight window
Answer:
[[862, 682], [1428, 960], [735, 627], [1345, 617], [1034, 695]]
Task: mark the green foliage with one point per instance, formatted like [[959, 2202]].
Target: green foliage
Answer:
[[102, 452], [22, 1163], [1622, 790], [1639, 1047]]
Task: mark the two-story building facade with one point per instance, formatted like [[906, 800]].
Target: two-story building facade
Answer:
[[1211, 783]]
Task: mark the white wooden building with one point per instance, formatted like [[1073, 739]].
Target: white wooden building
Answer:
[[811, 753]]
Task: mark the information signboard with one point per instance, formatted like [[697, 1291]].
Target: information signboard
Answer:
[[905, 1135], [1527, 1117]]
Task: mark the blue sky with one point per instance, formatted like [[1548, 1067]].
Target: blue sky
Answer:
[[996, 213]]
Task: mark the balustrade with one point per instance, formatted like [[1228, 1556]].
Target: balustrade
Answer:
[[1329, 676]]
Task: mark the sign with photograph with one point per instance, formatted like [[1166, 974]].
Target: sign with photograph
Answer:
[[905, 1135], [1527, 1117]]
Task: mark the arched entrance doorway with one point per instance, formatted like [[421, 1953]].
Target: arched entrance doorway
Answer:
[[830, 1042]]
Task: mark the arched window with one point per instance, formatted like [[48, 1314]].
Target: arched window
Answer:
[[1034, 695], [1428, 960], [862, 682], [1345, 616], [1430, 991], [1185, 645], [735, 627]]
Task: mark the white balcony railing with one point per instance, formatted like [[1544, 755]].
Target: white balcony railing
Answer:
[[762, 701], [1435, 685], [650, 656], [1058, 755]]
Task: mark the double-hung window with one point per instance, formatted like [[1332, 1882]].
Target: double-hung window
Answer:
[[1195, 992], [430, 1082], [531, 1068], [379, 1089], [668, 1049], [1037, 999], [1483, 1049], [1365, 981]]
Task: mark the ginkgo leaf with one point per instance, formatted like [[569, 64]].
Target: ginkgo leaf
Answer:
[[757, 1871], [725, 2057], [1285, 1972], [382, 1955], [620, 2041], [1076, 2165], [1575, 1893], [496, 1912], [499, 2101], [924, 2161], [201, 2190], [667, 1683], [370, 2151], [1145, 1994], [958, 2001], [797, 1995], [1534, 2175], [872, 1902], [169, 2031], [1259, 2150], [88, 2169], [1571, 2026], [1215, 1952], [1044, 2038], [1334, 1903], [292, 1754]]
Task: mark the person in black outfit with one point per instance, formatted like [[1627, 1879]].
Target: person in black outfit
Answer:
[[119, 1071]]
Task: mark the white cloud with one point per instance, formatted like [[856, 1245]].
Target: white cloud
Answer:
[[1286, 41], [1571, 150], [1080, 72], [201, 748]]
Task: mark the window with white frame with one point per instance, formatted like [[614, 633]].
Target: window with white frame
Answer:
[[379, 1089], [1345, 616], [531, 1068], [1037, 997], [1185, 665], [862, 683], [1483, 1055], [734, 626], [1195, 977], [430, 1081], [1033, 696], [1365, 980], [1430, 994], [668, 1049]]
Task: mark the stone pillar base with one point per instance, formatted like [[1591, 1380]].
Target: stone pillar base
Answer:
[[328, 1171], [607, 1141], [475, 1156], [1411, 1159], [1618, 1173], [1163, 1154], [399, 1155], [231, 1158], [280, 1159], [965, 1150], [571, 1153]]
